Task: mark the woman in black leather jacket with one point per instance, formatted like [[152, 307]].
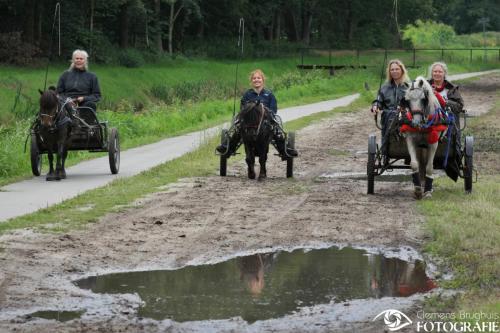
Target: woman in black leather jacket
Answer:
[[390, 94]]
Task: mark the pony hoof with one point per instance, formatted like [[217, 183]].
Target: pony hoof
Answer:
[[262, 177], [427, 194], [50, 177], [251, 175], [63, 175]]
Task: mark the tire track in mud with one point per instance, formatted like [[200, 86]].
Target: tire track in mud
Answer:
[[207, 218]]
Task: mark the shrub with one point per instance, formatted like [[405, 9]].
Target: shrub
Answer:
[[429, 34], [295, 78], [489, 39], [131, 58], [14, 51], [190, 91]]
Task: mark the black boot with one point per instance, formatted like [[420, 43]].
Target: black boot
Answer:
[[234, 140], [279, 140], [292, 152], [428, 184], [285, 152], [222, 148], [415, 177]]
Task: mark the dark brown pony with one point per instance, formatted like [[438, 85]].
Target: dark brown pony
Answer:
[[53, 130], [256, 132]]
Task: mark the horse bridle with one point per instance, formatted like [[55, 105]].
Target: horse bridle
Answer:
[[261, 117], [50, 115], [426, 100], [54, 116]]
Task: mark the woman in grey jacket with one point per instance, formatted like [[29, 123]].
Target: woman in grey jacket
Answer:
[[78, 83]]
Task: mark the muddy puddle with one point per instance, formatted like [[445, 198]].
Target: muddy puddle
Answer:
[[266, 285], [61, 316]]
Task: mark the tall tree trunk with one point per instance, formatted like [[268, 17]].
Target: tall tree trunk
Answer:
[[171, 22], [291, 26], [91, 25], [278, 27], [306, 27], [351, 24], [171, 27], [157, 22], [124, 25], [308, 11], [29, 21], [91, 20], [200, 31], [147, 29], [38, 23]]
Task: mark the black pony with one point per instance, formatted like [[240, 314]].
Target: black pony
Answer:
[[54, 126], [256, 132]]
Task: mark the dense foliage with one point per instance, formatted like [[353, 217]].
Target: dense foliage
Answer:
[[111, 30]]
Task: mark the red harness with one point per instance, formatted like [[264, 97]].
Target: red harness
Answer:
[[433, 131]]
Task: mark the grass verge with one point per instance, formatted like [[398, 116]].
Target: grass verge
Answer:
[[464, 232]]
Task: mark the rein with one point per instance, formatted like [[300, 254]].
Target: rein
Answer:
[[262, 111]]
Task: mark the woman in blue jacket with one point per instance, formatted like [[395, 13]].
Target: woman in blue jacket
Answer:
[[267, 98]]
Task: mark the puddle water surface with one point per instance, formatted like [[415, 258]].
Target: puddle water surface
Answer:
[[58, 315], [264, 286]]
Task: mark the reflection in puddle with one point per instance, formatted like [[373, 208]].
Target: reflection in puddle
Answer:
[[264, 286], [61, 316]]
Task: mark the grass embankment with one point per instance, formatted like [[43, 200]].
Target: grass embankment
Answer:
[[464, 229]]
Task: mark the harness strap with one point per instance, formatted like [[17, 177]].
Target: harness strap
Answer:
[[451, 117], [262, 111]]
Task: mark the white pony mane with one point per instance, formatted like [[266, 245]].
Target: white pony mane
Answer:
[[433, 101]]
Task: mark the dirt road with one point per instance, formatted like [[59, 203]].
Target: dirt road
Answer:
[[206, 219]]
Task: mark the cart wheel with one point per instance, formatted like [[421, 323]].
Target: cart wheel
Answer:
[[36, 158], [370, 165], [289, 161], [114, 151], [223, 157], [469, 163]]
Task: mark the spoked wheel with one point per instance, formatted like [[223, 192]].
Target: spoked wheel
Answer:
[[469, 163], [370, 166], [224, 140], [289, 161], [36, 158], [114, 151]]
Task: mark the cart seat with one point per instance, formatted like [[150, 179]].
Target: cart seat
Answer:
[[87, 114]]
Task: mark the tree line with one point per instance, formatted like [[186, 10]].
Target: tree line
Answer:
[[112, 28]]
